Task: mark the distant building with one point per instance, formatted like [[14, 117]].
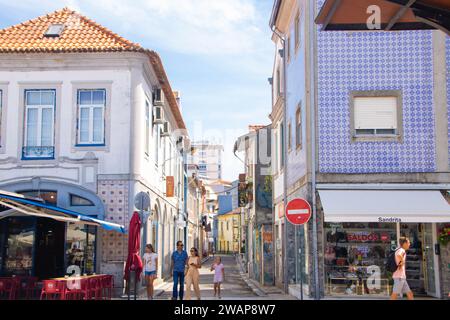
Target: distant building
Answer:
[[208, 157], [228, 232]]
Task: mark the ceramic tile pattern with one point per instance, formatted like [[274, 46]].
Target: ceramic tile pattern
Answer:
[[114, 195], [375, 61]]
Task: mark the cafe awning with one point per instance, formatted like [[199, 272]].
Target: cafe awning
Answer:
[[414, 206], [18, 204], [394, 15]]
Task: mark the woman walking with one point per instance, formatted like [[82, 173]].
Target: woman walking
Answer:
[[219, 274], [151, 266], [192, 275]]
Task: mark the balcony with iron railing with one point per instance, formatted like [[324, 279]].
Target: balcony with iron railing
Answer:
[[38, 152]]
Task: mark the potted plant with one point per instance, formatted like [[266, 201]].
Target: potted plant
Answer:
[[444, 235]]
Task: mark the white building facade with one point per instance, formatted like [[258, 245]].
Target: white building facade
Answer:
[[100, 126]]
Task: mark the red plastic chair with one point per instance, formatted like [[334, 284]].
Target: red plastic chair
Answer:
[[95, 288], [52, 289], [107, 286], [27, 287], [8, 286], [78, 291]]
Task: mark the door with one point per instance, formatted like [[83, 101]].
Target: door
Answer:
[[50, 242], [429, 259]]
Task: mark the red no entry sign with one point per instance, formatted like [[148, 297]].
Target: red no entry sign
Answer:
[[298, 211]]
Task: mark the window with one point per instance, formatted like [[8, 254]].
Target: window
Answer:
[[276, 151], [289, 137], [156, 142], [298, 127], [376, 114], [297, 31], [288, 48], [147, 127], [227, 226], [39, 124], [278, 83], [282, 145], [80, 201], [91, 117], [54, 30]]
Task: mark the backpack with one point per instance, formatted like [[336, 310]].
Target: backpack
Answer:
[[391, 264]]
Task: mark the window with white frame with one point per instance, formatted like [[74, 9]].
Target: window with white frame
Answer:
[[91, 116], [39, 124], [147, 127], [375, 115], [297, 31], [298, 127]]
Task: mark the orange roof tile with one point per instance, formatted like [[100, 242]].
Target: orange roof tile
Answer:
[[80, 34]]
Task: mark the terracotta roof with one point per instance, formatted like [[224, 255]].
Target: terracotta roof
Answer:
[[80, 34]]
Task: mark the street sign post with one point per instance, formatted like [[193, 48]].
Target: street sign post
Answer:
[[298, 212]]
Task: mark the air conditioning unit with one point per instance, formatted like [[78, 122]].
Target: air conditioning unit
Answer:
[[158, 97], [165, 130], [158, 115]]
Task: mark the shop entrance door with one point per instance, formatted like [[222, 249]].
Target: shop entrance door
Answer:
[[428, 260], [415, 262], [50, 245]]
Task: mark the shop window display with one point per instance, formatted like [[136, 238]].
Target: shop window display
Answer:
[[18, 255], [81, 247], [355, 256]]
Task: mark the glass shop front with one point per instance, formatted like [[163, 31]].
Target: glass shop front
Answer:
[[355, 255], [44, 247]]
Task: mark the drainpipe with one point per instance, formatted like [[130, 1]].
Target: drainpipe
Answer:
[[313, 93], [285, 272]]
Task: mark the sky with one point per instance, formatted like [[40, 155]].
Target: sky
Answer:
[[217, 53]]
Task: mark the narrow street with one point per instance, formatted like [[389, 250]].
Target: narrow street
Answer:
[[233, 288]]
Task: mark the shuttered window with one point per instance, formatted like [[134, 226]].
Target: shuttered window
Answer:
[[376, 115]]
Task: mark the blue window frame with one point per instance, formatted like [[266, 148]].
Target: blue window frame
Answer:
[[91, 105], [39, 140]]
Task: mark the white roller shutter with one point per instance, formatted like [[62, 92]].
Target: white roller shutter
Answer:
[[375, 112]]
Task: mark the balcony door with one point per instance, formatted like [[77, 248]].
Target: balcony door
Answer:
[[39, 124]]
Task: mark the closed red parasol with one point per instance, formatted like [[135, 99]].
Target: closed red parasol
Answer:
[[134, 262]]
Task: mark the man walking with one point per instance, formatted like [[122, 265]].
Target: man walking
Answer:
[[399, 276], [179, 262]]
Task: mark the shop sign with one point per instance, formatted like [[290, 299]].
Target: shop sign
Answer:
[[170, 185], [389, 219], [362, 237]]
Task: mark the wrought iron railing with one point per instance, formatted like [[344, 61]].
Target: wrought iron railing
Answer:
[[41, 152]]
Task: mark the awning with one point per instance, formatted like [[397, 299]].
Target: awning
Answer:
[[19, 204], [384, 206], [394, 14]]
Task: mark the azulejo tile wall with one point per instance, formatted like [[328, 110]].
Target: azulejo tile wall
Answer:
[[350, 61], [114, 195]]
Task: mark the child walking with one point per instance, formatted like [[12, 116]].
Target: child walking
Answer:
[[219, 274]]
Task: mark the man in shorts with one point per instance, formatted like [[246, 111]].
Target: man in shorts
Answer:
[[400, 285]]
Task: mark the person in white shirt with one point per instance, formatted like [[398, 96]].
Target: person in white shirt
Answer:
[[400, 285], [150, 268]]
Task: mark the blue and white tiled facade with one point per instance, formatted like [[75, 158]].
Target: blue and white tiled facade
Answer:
[[376, 61]]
